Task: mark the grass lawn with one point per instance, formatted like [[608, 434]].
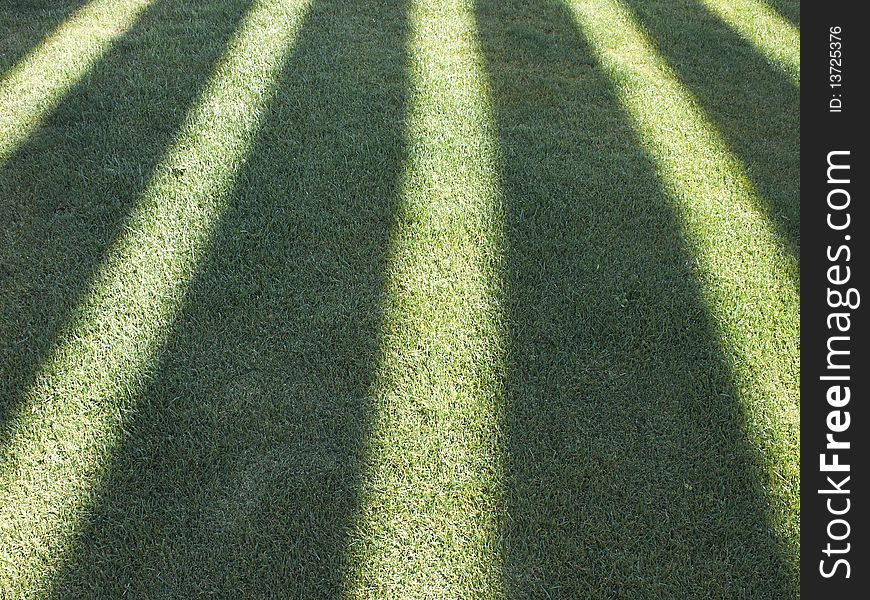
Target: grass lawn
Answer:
[[399, 299]]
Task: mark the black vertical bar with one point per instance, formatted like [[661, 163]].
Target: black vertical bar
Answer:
[[833, 323]]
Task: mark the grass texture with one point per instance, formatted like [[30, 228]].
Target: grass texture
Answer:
[[399, 299]]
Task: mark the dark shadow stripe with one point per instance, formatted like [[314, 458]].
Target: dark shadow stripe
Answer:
[[238, 473], [790, 10], [67, 191], [24, 24], [752, 104], [627, 472]]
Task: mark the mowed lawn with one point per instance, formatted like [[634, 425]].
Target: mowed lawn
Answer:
[[399, 299]]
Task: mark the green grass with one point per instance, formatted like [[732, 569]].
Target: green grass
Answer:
[[400, 299], [25, 23]]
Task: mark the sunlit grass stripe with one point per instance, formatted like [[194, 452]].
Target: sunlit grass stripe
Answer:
[[774, 37], [40, 80], [748, 278], [430, 501], [71, 419]]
